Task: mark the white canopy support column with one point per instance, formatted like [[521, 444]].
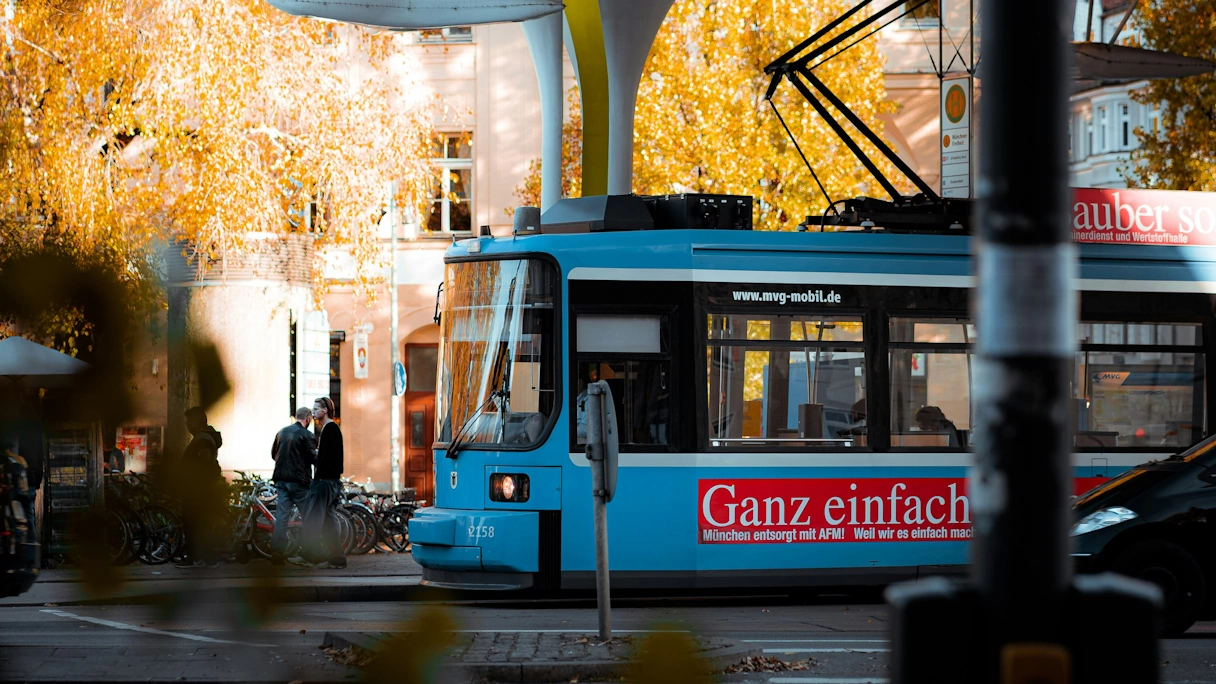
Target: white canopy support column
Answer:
[[545, 43], [630, 27]]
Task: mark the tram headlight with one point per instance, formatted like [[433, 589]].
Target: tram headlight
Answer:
[[1102, 519], [509, 487]]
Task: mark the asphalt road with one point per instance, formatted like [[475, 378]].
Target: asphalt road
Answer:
[[846, 640]]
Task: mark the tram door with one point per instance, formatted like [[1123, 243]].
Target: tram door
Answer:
[[419, 401]]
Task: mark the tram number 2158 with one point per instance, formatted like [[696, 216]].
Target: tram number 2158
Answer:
[[479, 531]]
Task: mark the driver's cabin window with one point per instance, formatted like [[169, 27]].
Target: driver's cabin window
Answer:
[[632, 354], [786, 381]]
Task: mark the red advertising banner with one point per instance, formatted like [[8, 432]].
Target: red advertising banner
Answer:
[[762, 510], [1149, 217]]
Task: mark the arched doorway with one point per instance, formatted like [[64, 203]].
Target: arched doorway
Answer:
[[421, 359]]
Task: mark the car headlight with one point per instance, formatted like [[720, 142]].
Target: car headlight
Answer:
[[1102, 519]]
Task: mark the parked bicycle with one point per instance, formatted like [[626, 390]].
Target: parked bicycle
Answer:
[[140, 523]]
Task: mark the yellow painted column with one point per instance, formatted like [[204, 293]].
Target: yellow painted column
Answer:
[[587, 34]]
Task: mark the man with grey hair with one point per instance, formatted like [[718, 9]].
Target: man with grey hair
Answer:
[[294, 452]]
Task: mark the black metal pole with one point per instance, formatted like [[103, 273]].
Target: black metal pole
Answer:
[[1026, 315]]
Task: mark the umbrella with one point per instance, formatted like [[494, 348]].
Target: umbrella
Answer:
[[32, 365]]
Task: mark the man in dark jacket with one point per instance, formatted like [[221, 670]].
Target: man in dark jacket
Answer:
[[320, 527], [293, 453], [203, 500]]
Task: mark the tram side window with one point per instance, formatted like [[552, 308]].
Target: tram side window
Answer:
[[931, 361], [632, 354], [786, 381], [1139, 385]]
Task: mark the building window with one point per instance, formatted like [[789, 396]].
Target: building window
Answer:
[[423, 362], [1103, 125], [452, 185], [336, 338], [1125, 125], [786, 381], [452, 34], [926, 14], [1089, 134]]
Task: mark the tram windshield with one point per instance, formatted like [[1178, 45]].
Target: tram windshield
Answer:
[[497, 353]]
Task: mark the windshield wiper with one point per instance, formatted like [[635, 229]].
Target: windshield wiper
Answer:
[[458, 440]]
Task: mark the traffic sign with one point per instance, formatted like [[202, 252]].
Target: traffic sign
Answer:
[[955, 137], [398, 379]]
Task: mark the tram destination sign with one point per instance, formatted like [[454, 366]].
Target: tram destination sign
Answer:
[[1144, 217]]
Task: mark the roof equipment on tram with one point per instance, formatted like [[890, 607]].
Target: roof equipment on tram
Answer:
[[614, 213]]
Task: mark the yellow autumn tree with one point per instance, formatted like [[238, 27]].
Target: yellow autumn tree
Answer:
[[1181, 154], [127, 125], [702, 124]]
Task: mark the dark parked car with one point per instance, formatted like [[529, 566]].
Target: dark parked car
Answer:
[[1157, 522]]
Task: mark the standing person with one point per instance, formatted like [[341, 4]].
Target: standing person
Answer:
[[294, 451], [320, 527], [115, 460], [202, 497]]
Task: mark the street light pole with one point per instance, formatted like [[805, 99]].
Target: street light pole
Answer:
[[394, 430], [1023, 618], [1026, 313]]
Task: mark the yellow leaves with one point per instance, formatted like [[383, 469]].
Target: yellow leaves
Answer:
[[1182, 155], [188, 119], [702, 125]]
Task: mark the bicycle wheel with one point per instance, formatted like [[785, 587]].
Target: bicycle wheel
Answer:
[[358, 528], [345, 528], [394, 526], [117, 538], [162, 536], [369, 532], [262, 534]]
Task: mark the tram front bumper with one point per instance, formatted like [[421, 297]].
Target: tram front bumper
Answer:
[[490, 541]]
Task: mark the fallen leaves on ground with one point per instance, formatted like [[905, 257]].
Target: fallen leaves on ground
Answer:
[[769, 664], [351, 656]]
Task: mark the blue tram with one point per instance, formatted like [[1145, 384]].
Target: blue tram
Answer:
[[794, 408]]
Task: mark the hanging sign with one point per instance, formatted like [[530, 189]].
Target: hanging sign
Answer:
[[955, 138], [360, 351], [398, 379]]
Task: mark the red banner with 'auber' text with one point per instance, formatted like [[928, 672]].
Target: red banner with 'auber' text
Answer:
[[1148, 217], [762, 510]]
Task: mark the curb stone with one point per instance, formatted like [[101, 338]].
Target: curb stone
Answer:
[[717, 653], [235, 594]]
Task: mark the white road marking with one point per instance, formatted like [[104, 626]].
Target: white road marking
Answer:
[[816, 641], [149, 630], [827, 650], [571, 631], [828, 680]]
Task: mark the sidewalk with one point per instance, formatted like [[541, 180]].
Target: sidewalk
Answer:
[[527, 656], [370, 577]]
